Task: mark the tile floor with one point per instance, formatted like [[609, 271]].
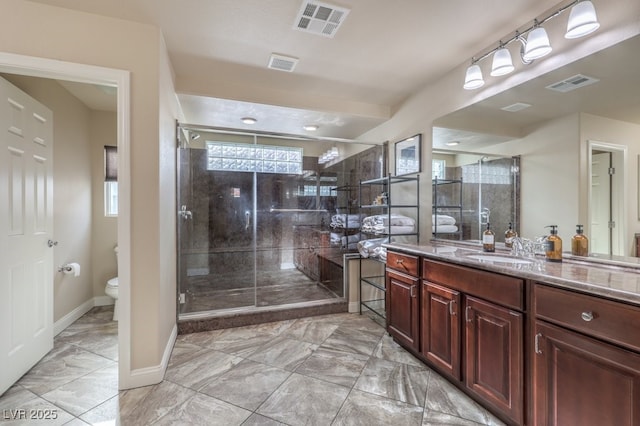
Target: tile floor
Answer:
[[340, 369]]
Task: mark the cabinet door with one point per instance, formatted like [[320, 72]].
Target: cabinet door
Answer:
[[440, 327], [582, 381], [402, 308], [494, 356]]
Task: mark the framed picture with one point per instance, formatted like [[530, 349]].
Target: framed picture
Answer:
[[407, 153]]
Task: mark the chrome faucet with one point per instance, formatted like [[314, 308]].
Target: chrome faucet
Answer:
[[525, 247]]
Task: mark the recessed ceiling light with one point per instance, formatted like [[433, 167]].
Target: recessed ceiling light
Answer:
[[310, 127], [249, 120], [453, 143]]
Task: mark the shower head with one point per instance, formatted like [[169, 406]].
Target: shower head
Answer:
[[195, 136]]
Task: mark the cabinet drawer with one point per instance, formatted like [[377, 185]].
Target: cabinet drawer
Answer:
[[605, 319], [501, 289], [403, 262]]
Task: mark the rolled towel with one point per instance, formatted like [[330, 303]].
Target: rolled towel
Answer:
[[444, 229]]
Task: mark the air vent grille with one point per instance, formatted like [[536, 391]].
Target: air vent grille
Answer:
[[320, 18], [572, 83], [282, 63], [518, 106]]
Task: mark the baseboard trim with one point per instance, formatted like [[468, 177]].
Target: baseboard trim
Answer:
[[103, 301], [72, 316], [149, 375]]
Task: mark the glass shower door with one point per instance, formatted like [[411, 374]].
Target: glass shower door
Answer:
[[216, 258]]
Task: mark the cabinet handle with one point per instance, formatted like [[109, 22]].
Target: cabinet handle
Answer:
[[413, 287], [587, 316], [537, 344], [399, 261], [452, 312], [466, 314]]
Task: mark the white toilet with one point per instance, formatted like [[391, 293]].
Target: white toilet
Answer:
[[111, 290]]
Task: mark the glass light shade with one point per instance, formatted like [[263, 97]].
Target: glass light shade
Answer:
[[502, 63], [334, 152], [537, 44], [582, 20], [473, 79]]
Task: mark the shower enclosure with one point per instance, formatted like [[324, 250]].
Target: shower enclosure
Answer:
[[253, 222], [490, 193]]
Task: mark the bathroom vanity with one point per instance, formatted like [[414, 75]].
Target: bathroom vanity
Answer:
[[535, 342]]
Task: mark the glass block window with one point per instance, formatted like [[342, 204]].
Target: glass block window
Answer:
[[237, 157], [437, 169]]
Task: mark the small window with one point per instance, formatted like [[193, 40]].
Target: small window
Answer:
[[110, 181]]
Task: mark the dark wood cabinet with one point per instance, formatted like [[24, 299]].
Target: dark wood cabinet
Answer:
[[494, 356], [440, 327], [472, 330], [582, 381], [402, 306], [586, 363]]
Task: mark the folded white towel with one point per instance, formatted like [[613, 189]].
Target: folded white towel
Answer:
[[444, 229], [441, 219]]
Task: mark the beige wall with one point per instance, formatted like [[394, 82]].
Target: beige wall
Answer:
[[71, 189], [549, 176], [103, 131], [601, 129], [37, 30], [620, 19]]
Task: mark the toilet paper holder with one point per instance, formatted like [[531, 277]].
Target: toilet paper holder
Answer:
[[65, 268]]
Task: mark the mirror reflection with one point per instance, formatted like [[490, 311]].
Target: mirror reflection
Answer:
[[576, 131]]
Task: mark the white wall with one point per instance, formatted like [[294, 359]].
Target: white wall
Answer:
[[72, 189]]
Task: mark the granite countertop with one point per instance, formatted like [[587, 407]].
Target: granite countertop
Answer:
[[615, 280]]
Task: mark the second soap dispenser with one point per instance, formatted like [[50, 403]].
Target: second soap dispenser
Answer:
[[553, 250], [579, 243]]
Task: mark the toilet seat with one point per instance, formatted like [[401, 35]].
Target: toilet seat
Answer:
[[113, 282]]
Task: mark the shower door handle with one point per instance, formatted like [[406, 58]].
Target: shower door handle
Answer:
[[247, 216]]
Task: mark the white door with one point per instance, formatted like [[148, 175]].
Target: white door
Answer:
[[600, 203], [26, 222]]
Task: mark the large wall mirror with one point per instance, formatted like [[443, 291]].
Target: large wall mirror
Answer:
[[576, 131]]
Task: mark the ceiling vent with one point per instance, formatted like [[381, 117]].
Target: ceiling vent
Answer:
[[572, 83], [320, 18], [282, 63], [518, 106]]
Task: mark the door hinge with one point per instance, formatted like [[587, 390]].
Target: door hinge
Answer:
[[182, 298], [612, 225], [612, 171]]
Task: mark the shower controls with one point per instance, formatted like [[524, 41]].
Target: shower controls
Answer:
[[184, 213]]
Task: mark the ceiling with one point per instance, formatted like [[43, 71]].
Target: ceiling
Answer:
[[383, 53], [616, 95]]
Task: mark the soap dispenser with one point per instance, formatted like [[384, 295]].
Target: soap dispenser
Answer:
[[488, 240], [553, 250], [579, 243], [509, 235]]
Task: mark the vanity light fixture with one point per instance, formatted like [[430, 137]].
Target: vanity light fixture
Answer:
[[452, 143], [537, 45], [582, 21], [249, 120], [502, 63], [311, 127]]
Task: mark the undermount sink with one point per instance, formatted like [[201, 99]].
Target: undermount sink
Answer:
[[488, 257]]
